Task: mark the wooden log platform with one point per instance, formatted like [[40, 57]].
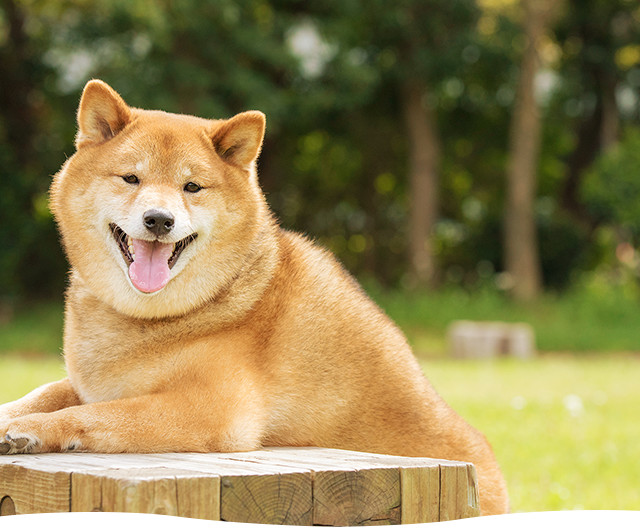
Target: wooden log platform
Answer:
[[487, 340], [295, 486]]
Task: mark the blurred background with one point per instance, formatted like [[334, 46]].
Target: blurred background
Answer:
[[465, 159]]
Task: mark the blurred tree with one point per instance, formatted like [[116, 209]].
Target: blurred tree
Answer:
[[30, 259], [19, 72], [424, 179], [522, 259], [600, 60], [412, 47], [611, 188]]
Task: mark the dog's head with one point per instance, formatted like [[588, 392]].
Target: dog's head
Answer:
[[158, 211]]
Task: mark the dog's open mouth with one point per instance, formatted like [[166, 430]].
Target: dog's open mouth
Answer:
[[149, 262]]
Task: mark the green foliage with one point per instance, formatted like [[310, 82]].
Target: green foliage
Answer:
[[612, 187], [564, 249], [30, 257], [211, 59]]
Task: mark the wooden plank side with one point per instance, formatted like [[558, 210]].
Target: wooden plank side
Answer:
[[33, 491], [199, 497], [268, 499], [86, 493], [473, 492], [420, 494], [153, 490], [364, 497], [157, 496], [300, 486], [458, 492]]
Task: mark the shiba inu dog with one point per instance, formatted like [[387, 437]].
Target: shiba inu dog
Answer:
[[193, 322]]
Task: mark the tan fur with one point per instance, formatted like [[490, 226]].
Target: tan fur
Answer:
[[260, 338]]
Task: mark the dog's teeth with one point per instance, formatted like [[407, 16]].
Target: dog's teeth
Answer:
[[130, 246]]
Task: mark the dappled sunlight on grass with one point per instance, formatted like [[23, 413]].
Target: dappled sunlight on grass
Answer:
[[565, 429]]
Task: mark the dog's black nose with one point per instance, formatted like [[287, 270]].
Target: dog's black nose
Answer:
[[158, 221]]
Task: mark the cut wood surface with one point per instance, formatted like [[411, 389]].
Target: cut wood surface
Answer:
[[295, 486]]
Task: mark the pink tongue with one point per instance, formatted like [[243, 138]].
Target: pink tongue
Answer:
[[149, 272]]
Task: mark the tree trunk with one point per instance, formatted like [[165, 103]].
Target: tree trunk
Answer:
[[16, 86], [424, 161], [610, 128], [597, 133], [520, 237], [599, 128]]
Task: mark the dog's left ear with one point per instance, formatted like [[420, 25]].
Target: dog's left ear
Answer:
[[239, 139], [101, 115]]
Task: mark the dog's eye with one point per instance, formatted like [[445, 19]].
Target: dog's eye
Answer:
[[192, 187], [131, 179]]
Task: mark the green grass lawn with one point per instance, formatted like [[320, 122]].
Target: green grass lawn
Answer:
[[21, 374], [33, 330], [565, 429]]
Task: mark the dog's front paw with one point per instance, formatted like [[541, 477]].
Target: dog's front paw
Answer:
[[18, 443]]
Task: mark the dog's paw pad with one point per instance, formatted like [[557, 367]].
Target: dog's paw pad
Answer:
[[20, 443], [17, 444]]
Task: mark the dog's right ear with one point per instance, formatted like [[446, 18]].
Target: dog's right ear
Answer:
[[101, 115]]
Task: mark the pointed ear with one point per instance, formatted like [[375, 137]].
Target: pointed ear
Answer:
[[239, 139], [101, 115]]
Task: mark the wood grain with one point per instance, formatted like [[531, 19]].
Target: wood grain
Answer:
[[420, 491], [24, 490], [458, 492], [363, 497], [294, 486], [270, 499], [151, 490]]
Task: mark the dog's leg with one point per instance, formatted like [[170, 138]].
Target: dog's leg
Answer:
[[47, 398], [151, 423]]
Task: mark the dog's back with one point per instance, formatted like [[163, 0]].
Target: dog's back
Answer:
[[344, 376]]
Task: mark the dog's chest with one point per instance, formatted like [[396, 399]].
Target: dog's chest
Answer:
[[107, 362]]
